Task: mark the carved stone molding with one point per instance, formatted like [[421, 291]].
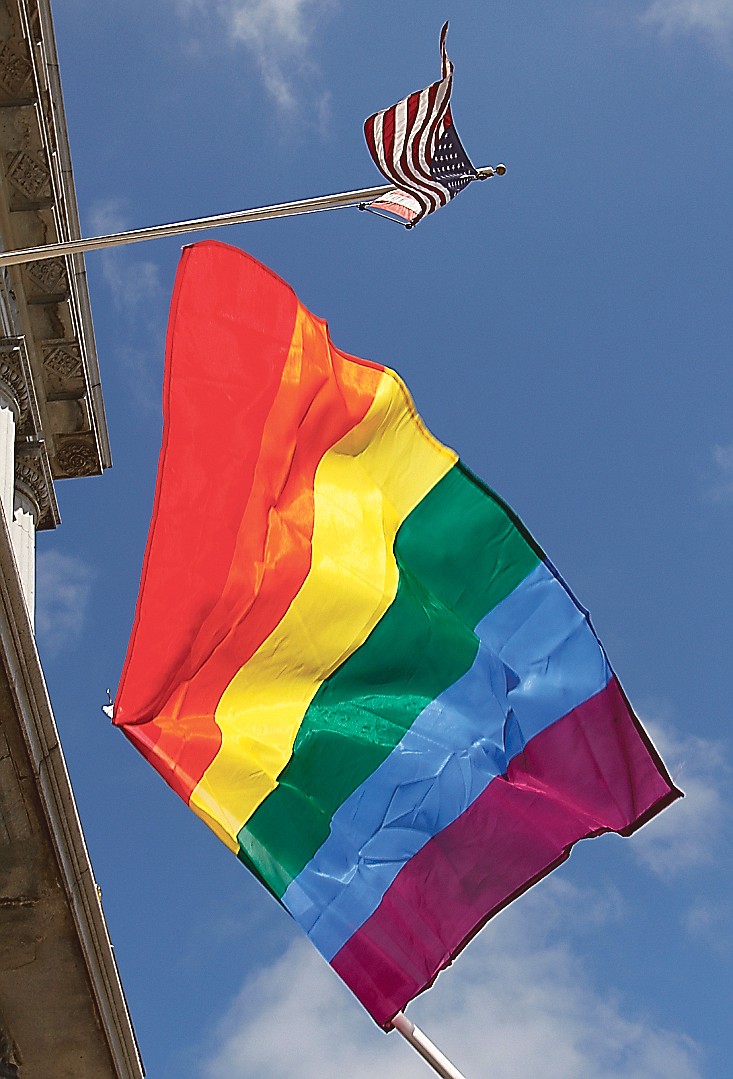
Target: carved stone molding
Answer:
[[63, 369], [76, 457], [16, 73], [47, 301], [31, 477], [46, 279], [62, 359], [14, 378], [28, 174]]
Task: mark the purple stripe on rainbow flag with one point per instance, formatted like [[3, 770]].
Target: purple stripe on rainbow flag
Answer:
[[593, 771], [539, 659], [319, 697]]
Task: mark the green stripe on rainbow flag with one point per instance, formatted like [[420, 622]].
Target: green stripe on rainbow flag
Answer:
[[459, 554], [349, 657]]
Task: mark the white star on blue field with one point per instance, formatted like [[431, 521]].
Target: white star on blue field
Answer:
[[567, 329]]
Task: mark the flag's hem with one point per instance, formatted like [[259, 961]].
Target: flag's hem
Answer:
[[666, 800]]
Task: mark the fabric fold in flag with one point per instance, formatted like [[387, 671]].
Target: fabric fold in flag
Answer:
[[349, 657], [416, 146]]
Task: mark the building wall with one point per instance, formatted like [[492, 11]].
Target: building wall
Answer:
[[62, 1010]]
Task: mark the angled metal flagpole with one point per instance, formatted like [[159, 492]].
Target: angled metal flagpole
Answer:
[[412, 1034], [429, 1052], [196, 224]]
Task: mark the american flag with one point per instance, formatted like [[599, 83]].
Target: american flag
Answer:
[[415, 145]]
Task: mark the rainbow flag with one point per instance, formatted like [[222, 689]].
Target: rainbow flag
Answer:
[[349, 657]]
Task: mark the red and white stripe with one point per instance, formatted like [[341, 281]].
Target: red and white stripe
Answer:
[[403, 138]]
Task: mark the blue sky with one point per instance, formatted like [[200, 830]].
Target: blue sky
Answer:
[[567, 329]]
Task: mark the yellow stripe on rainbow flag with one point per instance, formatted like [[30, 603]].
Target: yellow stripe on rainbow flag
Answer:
[[365, 487]]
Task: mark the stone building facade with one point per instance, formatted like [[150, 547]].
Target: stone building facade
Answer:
[[62, 1009]]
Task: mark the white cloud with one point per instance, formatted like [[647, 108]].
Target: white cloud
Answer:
[[134, 281], [63, 588], [514, 1004], [721, 489], [709, 921], [134, 284], [107, 215], [711, 19], [139, 297], [688, 833], [279, 35]]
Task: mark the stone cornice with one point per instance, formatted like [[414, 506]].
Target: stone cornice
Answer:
[[32, 466], [33, 479], [48, 301], [13, 377], [31, 714]]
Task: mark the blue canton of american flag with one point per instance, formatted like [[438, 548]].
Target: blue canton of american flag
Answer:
[[451, 166], [415, 145]]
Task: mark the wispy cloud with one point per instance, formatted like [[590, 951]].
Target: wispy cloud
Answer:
[[721, 489], [710, 19], [280, 35], [133, 281], [107, 215], [709, 921], [514, 1004], [687, 834], [139, 299], [63, 588]]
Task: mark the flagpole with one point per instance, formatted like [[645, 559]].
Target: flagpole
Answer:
[[422, 1044], [196, 224]]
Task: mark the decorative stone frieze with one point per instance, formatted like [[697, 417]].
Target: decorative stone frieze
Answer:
[[62, 359], [26, 458], [14, 378], [76, 457], [32, 479], [46, 280], [29, 176], [64, 1012], [16, 73], [46, 302]]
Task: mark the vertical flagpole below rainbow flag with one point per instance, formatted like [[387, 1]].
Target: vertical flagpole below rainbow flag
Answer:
[[337, 201], [422, 1044]]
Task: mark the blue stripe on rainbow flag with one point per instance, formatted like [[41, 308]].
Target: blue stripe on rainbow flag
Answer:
[[539, 658]]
